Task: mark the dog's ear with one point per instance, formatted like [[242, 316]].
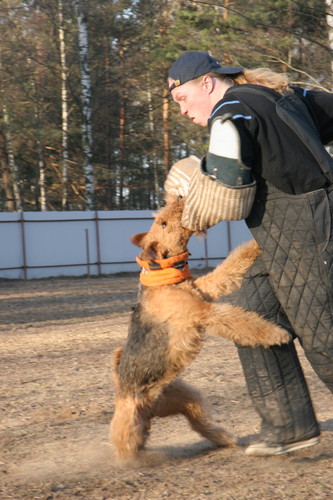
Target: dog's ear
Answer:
[[138, 239]]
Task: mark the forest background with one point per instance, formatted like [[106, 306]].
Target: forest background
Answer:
[[87, 121]]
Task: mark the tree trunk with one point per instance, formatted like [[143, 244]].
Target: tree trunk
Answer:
[[6, 178], [8, 139], [153, 132], [122, 115], [329, 18], [227, 5], [37, 83], [87, 141], [110, 195], [40, 147], [166, 130], [64, 107], [40, 166], [121, 152], [11, 159]]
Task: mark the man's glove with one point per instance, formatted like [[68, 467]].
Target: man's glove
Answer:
[[180, 174]]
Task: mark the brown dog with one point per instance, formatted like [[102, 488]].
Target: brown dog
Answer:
[[167, 330]]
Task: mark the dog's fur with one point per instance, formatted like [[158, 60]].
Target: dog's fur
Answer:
[[166, 332]]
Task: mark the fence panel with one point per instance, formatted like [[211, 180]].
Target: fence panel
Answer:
[[45, 244]]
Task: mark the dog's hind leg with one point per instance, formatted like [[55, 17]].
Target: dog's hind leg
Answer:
[[181, 398], [115, 365], [129, 428]]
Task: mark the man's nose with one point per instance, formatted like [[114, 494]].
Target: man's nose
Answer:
[[183, 110]]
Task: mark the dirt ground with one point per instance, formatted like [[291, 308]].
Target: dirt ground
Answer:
[[56, 402]]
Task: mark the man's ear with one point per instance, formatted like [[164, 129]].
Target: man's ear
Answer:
[[138, 239], [208, 83]]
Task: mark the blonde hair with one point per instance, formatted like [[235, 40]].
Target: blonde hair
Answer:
[[259, 76], [266, 77]]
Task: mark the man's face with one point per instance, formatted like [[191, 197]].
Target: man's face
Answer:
[[194, 101]]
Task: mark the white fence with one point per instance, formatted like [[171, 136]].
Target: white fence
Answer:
[[45, 244]]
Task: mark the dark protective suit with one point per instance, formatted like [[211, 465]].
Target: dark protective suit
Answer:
[[292, 282]]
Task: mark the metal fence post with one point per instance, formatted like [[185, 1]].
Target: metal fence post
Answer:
[[98, 246], [24, 256], [87, 252]]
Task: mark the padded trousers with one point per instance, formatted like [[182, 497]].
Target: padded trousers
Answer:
[[291, 284], [274, 376]]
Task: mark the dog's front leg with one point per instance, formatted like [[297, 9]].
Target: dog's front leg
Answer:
[[245, 328], [227, 276]]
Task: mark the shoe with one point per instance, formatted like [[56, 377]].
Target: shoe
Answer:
[[269, 450]]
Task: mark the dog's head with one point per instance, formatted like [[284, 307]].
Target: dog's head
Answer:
[[166, 236]]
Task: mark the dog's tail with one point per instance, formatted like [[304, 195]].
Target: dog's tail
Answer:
[[115, 365]]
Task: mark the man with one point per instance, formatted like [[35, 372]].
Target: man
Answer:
[[291, 220]]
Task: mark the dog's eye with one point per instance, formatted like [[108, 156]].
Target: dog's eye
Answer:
[[164, 224]]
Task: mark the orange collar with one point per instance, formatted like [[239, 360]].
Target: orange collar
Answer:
[[164, 271]]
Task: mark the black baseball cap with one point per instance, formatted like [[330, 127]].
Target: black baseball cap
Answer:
[[191, 65]]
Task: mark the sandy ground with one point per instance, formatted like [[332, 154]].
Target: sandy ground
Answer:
[[56, 402]]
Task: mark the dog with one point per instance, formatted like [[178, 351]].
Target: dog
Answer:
[[167, 329]]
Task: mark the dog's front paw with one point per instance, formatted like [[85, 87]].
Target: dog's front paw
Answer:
[[277, 336]]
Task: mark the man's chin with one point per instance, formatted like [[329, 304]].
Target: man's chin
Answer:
[[198, 121]]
